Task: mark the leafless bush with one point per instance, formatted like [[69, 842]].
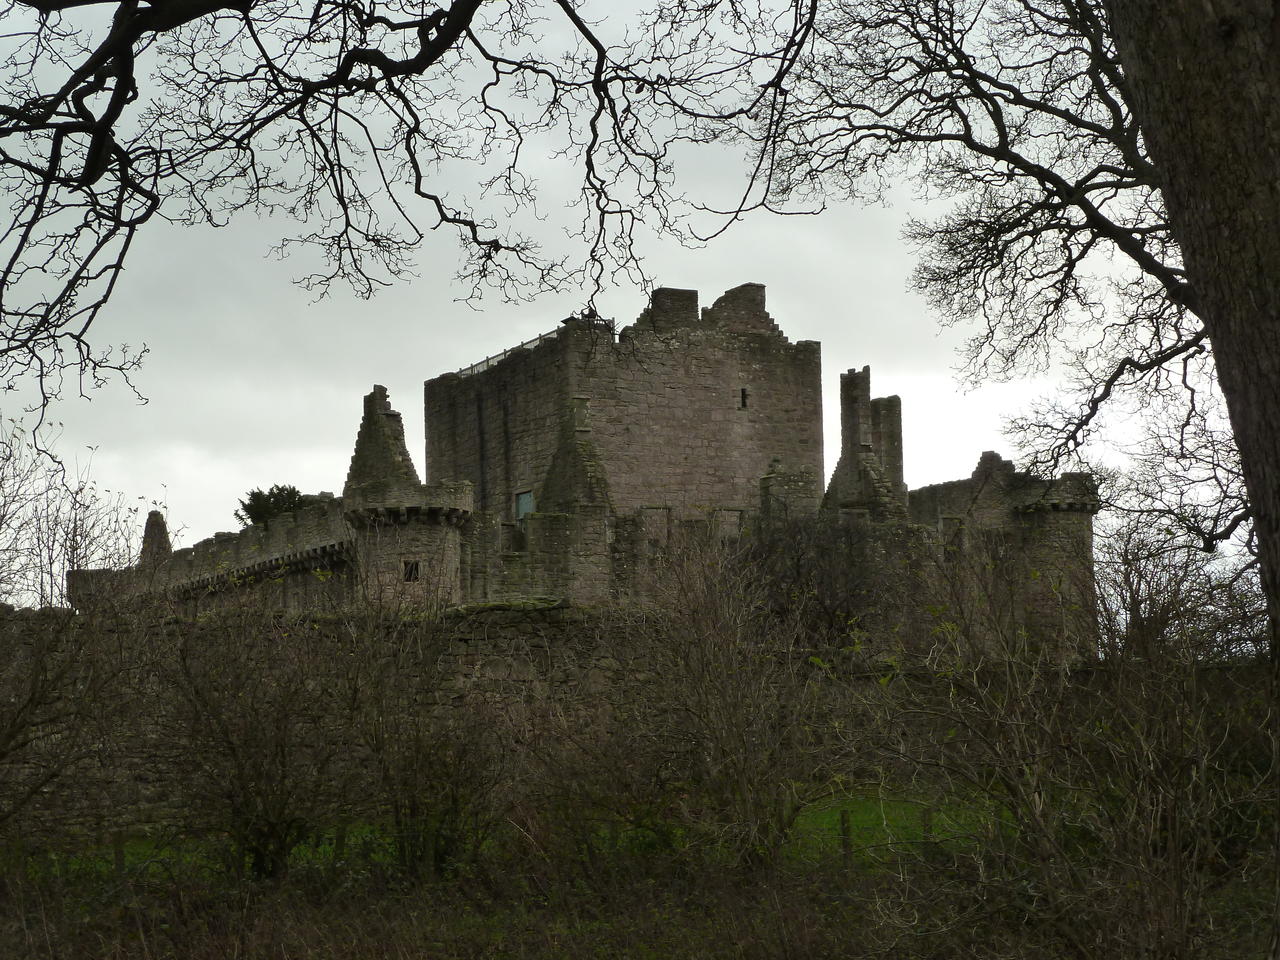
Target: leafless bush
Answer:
[[856, 584], [1093, 807], [717, 728], [438, 756], [255, 736]]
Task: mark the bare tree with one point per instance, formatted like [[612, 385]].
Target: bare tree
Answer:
[[1016, 115], [719, 729], [1105, 807], [54, 518], [253, 732], [1214, 135], [854, 584], [1070, 213], [349, 118], [440, 765]]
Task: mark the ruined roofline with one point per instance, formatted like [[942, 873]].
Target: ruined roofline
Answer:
[[740, 309], [1071, 491], [311, 536], [381, 472]]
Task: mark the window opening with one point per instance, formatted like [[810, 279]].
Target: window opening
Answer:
[[524, 504], [412, 573], [742, 399]]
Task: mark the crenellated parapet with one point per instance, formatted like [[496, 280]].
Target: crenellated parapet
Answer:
[[996, 492], [387, 529], [1069, 493]]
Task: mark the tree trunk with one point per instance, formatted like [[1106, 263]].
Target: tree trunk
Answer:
[[1204, 78], [1204, 84]]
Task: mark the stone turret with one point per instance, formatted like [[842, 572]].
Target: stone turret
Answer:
[[407, 534], [156, 547], [868, 477], [381, 473]]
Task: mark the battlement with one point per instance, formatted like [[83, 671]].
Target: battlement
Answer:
[[301, 537], [384, 510], [566, 464], [996, 488]]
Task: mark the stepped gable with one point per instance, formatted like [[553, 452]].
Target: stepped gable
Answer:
[[381, 472]]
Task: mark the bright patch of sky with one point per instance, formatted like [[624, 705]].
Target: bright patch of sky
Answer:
[[249, 382]]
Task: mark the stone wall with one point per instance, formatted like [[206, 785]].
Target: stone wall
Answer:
[[498, 426], [686, 409], [1038, 533], [691, 408], [515, 661], [315, 537]]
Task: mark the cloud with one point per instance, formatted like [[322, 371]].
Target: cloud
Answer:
[[251, 382]]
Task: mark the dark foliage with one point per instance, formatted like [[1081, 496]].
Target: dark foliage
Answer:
[[260, 506]]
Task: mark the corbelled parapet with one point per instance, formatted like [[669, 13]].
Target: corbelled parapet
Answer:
[[1027, 493], [381, 474], [309, 537], [1074, 492], [382, 484], [299, 538]]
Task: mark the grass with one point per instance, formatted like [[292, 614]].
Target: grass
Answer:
[[861, 876], [874, 825]]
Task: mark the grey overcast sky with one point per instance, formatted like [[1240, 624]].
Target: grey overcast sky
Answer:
[[250, 382]]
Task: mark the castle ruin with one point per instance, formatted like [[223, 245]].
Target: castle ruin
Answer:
[[563, 466]]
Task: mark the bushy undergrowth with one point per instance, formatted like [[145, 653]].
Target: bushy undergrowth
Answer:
[[707, 781]]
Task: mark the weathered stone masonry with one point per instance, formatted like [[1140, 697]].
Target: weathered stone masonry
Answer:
[[587, 451], [388, 538], [563, 466]]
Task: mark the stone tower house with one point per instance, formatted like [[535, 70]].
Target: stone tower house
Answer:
[[563, 466], [586, 451]]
